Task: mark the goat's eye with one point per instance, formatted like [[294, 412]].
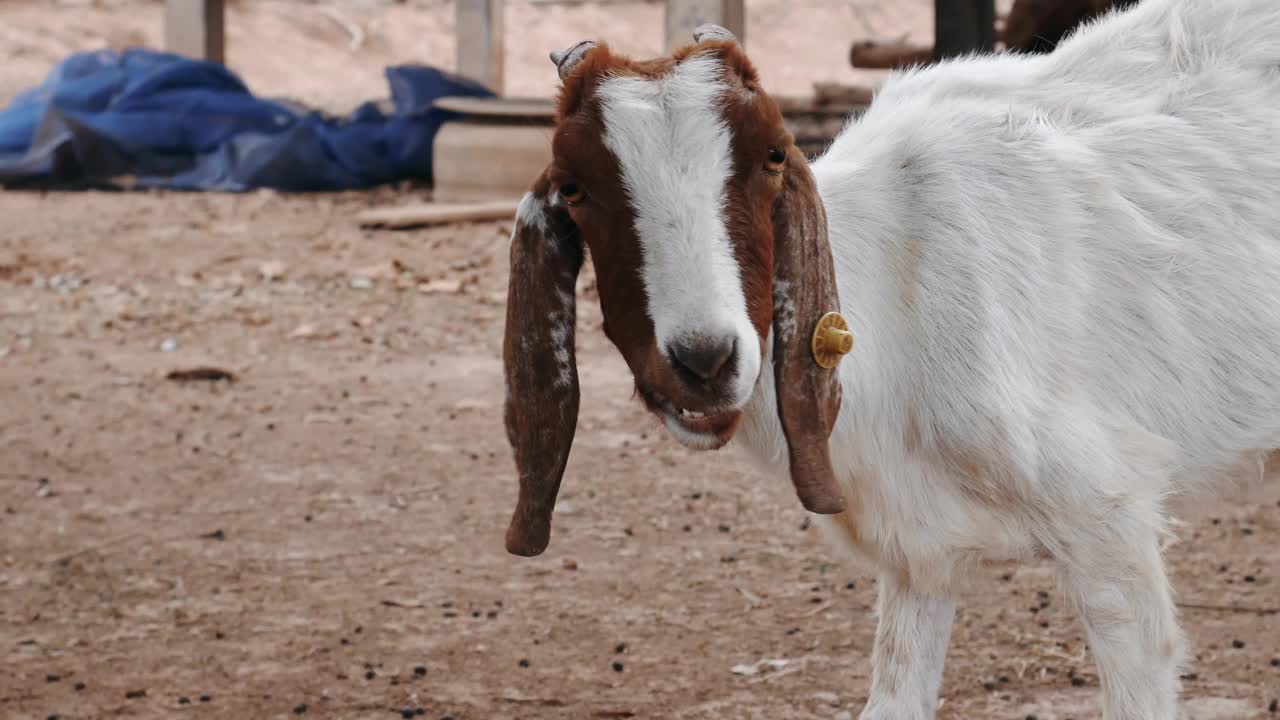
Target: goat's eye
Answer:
[[777, 158], [572, 193]]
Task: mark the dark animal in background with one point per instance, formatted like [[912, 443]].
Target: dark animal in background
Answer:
[[1037, 26]]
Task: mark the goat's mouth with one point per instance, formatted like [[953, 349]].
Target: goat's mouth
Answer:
[[707, 429]]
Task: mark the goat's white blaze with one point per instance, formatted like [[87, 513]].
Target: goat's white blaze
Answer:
[[673, 149]]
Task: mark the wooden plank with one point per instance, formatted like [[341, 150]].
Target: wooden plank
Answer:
[[682, 16], [195, 28], [479, 36], [437, 214], [963, 26]]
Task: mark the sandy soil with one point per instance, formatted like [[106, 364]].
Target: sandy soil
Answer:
[[322, 536], [312, 532]]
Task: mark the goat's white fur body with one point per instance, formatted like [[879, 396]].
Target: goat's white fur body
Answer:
[[1063, 272]]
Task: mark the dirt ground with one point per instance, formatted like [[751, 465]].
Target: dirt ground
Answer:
[[322, 535], [313, 532]]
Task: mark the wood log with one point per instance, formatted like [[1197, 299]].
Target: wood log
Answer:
[[872, 55]]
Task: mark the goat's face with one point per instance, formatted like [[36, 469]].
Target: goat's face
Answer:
[[669, 170], [680, 178]]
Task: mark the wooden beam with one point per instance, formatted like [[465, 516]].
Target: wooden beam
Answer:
[[195, 28], [963, 26], [479, 34], [682, 16]]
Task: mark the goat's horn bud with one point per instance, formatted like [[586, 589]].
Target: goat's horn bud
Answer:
[[711, 31], [565, 60]]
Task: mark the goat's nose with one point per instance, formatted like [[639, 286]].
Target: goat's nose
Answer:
[[704, 357]]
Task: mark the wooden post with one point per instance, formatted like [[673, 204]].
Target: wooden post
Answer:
[[194, 28], [963, 26], [682, 16], [480, 41]]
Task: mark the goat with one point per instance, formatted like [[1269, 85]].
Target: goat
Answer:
[[1062, 270]]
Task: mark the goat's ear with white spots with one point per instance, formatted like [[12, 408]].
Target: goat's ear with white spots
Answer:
[[804, 290], [538, 353]]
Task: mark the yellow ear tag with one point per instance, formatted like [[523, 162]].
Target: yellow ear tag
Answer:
[[831, 340]]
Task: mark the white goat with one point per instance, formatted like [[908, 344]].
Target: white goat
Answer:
[[1063, 272]]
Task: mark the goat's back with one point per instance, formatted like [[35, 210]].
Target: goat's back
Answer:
[[1084, 247]]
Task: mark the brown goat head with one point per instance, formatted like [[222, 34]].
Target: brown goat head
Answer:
[[708, 237]]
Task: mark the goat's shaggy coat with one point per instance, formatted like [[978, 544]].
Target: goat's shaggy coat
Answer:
[[1063, 272]]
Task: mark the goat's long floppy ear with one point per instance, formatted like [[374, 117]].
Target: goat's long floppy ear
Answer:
[[538, 353], [804, 292]]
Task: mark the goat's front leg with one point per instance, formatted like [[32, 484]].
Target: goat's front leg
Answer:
[[912, 636]]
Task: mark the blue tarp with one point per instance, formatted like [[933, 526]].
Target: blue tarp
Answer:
[[165, 121]]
